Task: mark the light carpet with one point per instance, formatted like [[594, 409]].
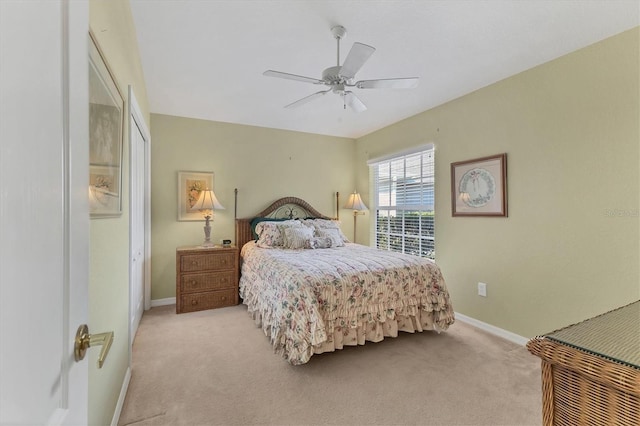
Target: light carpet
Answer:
[[216, 367]]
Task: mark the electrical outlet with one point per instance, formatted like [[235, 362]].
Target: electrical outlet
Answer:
[[482, 289]]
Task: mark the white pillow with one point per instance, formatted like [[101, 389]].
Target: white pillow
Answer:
[[297, 237]]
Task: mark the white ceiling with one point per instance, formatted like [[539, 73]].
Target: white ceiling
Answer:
[[205, 59]]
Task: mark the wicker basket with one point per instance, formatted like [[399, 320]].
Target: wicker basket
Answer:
[[579, 388]]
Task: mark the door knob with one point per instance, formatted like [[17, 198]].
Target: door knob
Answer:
[[84, 341]]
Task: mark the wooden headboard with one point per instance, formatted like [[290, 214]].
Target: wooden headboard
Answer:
[[287, 207]]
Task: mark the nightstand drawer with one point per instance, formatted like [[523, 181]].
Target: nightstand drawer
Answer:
[[205, 262], [213, 299], [191, 283]]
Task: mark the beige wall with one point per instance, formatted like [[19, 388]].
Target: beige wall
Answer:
[[264, 164], [111, 23], [570, 131]]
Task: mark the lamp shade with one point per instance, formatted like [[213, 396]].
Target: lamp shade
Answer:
[[355, 202], [207, 201]]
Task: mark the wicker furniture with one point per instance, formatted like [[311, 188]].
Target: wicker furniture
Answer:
[[206, 278], [591, 370]]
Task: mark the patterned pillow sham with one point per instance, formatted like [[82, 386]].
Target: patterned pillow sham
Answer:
[[333, 235], [271, 233], [268, 235], [297, 237], [256, 220], [322, 224]]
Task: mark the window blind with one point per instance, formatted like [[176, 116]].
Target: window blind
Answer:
[[403, 202]]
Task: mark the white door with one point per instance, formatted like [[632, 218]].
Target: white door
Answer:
[[44, 219], [138, 136]]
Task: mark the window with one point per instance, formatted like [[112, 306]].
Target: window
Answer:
[[403, 203]]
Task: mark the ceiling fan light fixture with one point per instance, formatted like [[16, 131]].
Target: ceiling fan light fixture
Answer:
[[332, 75]]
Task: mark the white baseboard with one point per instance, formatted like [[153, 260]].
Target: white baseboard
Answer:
[[163, 302], [497, 331], [123, 394]]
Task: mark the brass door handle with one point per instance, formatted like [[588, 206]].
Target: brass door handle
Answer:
[[84, 341]]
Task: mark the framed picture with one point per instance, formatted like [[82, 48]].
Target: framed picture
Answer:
[[104, 190], [479, 187], [106, 121], [189, 186]]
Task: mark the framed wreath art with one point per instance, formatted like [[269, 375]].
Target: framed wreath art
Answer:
[[479, 187]]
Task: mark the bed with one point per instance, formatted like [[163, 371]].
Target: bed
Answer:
[[311, 291]]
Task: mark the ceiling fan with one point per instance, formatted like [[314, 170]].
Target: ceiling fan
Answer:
[[340, 79]]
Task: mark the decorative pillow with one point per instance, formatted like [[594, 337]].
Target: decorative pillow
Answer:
[[282, 226], [319, 243], [256, 220], [333, 234], [297, 236], [268, 235], [321, 224]]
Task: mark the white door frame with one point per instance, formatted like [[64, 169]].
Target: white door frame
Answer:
[[137, 123]]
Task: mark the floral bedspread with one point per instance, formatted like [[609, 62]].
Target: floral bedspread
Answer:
[[302, 298]]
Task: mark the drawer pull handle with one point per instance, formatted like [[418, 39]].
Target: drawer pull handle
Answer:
[[193, 282], [223, 298], [194, 262], [194, 302]]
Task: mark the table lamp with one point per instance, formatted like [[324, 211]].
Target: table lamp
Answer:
[[206, 204], [355, 203]]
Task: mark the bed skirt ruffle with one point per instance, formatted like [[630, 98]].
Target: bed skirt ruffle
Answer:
[[336, 337]]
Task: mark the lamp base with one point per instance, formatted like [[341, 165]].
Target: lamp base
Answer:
[[207, 233], [355, 223]]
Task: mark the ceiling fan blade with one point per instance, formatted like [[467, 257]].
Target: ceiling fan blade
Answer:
[[388, 83], [354, 102], [278, 74], [356, 58], [306, 99]]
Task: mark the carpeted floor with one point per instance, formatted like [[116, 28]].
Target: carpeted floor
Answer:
[[216, 368]]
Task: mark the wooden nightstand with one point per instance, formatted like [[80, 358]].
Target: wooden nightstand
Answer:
[[206, 278]]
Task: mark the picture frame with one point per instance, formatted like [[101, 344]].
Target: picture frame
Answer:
[[189, 186], [479, 186], [106, 132]]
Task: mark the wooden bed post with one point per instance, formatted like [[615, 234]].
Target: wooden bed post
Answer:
[[337, 206]]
